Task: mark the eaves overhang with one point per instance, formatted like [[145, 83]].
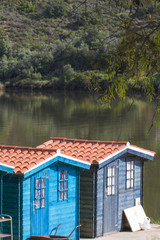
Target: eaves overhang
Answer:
[[6, 168], [142, 153], [55, 158]]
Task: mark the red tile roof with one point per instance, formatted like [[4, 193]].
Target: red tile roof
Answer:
[[24, 158], [88, 150]]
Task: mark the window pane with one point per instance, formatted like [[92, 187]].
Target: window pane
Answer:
[[43, 192], [38, 183], [109, 191], [66, 184], [61, 175], [128, 184], [38, 193], [65, 194], [37, 203], [60, 195], [43, 202], [109, 182], [113, 190], [131, 182], [132, 174], [132, 164], [109, 172], [128, 165], [43, 182], [65, 174], [113, 181], [113, 171], [61, 185], [128, 175]]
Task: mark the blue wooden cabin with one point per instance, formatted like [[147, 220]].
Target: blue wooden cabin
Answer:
[[114, 182], [40, 189]]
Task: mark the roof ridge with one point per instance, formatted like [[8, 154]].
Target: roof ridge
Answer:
[[27, 148], [89, 141]]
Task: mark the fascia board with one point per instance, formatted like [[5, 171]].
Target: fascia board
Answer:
[[55, 158], [128, 149], [6, 168], [146, 153]]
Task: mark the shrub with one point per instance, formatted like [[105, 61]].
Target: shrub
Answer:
[[88, 17], [68, 72], [27, 7], [56, 9], [36, 76], [5, 48]]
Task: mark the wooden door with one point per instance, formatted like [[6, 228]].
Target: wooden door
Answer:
[[110, 198], [39, 205]]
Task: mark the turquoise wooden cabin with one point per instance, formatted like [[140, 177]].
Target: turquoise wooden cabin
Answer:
[[40, 189], [114, 182]]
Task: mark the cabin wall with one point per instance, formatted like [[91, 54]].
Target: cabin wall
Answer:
[[86, 204], [63, 211], [1, 193], [26, 208], [67, 211], [127, 196], [11, 203], [99, 202]]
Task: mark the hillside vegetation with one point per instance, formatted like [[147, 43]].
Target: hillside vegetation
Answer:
[[60, 44]]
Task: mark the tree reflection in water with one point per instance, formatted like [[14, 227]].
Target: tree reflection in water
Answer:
[[28, 119]]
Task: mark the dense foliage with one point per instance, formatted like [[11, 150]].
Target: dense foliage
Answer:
[[108, 46]]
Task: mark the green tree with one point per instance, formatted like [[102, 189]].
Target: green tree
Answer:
[[5, 48], [133, 60]]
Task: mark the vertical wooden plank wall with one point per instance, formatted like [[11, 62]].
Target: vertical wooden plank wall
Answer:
[[1, 193], [10, 202], [100, 199], [127, 196], [26, 208], [67, 211], [86, 203]]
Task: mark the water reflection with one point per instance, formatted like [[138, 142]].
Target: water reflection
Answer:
[[31, 118]]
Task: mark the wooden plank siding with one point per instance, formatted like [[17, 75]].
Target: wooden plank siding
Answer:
[[65, 212], [100, 199], [26, 208], [126, 197], [86, 203], [11, 203], [1, 193]]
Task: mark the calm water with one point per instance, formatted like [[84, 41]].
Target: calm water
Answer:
[[30, 119]]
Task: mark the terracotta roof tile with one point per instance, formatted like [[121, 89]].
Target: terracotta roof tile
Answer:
[[24, 158], [86, 150]]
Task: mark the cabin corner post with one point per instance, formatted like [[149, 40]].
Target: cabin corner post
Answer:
[[99, 202], [1, 203], [142, 185], [19, 207], [94, 201], [78, 201]]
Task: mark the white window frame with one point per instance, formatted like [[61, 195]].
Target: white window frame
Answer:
[[62, 185], [130, 174], [111, 180]]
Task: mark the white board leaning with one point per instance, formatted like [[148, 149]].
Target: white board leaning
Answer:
[[135, 216]]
